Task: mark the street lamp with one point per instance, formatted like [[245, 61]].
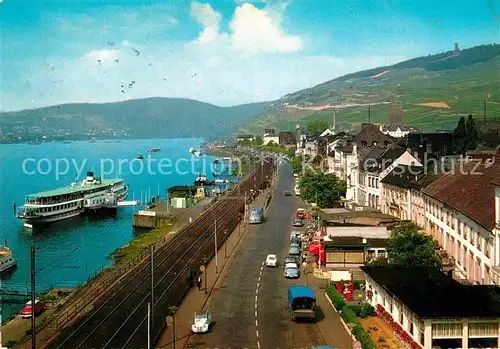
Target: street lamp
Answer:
[[172, 309]]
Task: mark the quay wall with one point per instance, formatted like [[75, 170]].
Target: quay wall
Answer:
[[152, 220]]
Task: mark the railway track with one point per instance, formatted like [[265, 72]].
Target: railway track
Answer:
[[119, 319]]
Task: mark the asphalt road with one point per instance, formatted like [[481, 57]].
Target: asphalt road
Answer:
[[250, 308]]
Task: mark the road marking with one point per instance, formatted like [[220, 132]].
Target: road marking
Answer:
[[258, 284], [260, 277], [257, 333], [256, 291], [258, 344], [256, 323], [255, 299], [256, 312], [262, 265], [255, 305]]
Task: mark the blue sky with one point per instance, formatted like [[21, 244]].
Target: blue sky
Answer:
[[225, 52]]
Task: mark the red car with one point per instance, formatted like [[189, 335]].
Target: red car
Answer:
[[26, 310], [301, 213]]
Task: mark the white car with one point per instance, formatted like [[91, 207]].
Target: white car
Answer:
[[271, 260], [202, 322]]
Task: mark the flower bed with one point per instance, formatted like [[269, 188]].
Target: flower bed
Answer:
[[397, 328], [350, 315]]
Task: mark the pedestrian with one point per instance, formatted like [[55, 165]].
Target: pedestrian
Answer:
[[198, 282]]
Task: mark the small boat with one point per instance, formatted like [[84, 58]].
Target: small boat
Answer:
[[66, 142], [197, 153], [7, 261], [140, 157], [202, 181], [155, 150], [191, 150]]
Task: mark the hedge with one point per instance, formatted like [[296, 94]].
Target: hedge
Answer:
[[349, 314], [364, 338], [336, 298]]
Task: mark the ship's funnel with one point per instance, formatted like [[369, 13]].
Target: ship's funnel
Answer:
[[90, 176]]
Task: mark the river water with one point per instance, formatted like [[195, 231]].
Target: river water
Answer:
[[67, 252]]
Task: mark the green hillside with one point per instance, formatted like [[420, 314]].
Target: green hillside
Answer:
[[461, 82], [142, 118]]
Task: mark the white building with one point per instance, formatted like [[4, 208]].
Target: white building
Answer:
[[429, 309], [461, 213], [374, 167], [327, 132], [267, 139], [395, 130]]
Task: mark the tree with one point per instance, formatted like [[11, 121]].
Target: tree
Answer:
[[465, 136], [290, 152], [321, 188], [258, 140], [408, 246], [316, 126], [296, 163]]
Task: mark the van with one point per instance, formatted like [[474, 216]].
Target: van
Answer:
[[256, 216]]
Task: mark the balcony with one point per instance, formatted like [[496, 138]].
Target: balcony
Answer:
[[495, 275], [448, 262]]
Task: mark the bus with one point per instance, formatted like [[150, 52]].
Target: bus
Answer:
[[302, 303], [256, 216]]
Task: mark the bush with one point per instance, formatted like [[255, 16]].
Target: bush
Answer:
[[336, 298], [349, 315], [358, 284], [364, 338], [363, 310], [10, 343]]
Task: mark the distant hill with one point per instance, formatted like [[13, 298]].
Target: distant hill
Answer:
[[434, 92], [141, 118]]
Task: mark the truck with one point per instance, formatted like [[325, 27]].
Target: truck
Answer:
[[302, 303], [256, 216]]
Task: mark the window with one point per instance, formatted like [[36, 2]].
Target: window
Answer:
[[453, 330], [487, 244]]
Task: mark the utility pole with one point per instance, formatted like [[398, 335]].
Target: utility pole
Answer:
[[152, 295], [216, 260], [369, 114], [149, 325], [225, 244], [33, 290]]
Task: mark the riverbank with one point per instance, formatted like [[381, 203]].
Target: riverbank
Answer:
[[124, 259]]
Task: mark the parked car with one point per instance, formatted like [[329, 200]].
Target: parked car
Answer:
[[295, 234], [294, 251], [292, 271], [291, 259], [26, 311], [298, 222], [294, 244], [271, 260], [288, 193], [202, 322], [301, 213]]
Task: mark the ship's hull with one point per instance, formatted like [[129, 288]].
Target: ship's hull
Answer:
[[7, 266], [50, 219]]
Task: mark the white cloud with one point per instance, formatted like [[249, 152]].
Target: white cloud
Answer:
[[209, 19], [253, 30]]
